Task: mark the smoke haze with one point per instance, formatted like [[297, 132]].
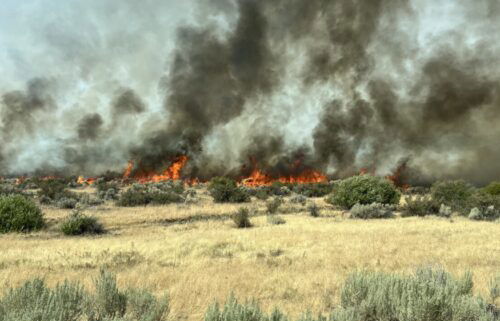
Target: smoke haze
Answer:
[[286, 85]]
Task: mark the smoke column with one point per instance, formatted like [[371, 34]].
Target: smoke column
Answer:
[[332, 85]]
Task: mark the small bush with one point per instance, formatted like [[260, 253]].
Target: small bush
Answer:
[[299, 199], [273, 205], [262, 194], [455, 194], [242, 218], [493, 189], [419, 206], [54, 190], [67, 203], [314, 210], [19, 214], [279, 189], [165, 198], [158, 194], [364, 189], [131, 198], [275, 219], [483, 206], [80, 224], [371, 211], [225, 190]]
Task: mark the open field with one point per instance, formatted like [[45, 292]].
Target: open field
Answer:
[[196, 254]]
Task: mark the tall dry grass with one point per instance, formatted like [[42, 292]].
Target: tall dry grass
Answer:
[[297, 266]]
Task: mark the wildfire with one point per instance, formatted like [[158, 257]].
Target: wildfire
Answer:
[[259, 178], [83, 180], [398, 178], [173, 173]]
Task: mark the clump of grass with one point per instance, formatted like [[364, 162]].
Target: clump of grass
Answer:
[[19, 214], [79, 224], [242, 218], [371, 211], [364, 190], [275, 219]]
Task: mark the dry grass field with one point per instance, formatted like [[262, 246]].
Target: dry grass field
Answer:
[[195, 253]]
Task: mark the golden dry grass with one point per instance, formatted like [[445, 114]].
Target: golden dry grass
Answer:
[[297, 266]]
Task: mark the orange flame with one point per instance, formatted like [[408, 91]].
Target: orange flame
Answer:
[[83, 180], [259, 178], [173, 173]]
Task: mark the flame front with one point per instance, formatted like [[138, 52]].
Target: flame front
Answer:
[[173, 173], [259, 178]]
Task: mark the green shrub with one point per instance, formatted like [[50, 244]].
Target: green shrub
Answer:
[[455, 194], [273, 205], [262, 194], [314, 210], [242, 218], [485, 206], [371, 211], [10, 189], [493, 189], [428, 295], [313, 189], [142, 195], [165, 198], [364, 189], [34, 301], [419, 206], [79, 224], [67, 203], [19, 214], [70, 302], [225, 190], [234, 311], [131, 198], [54, 189]]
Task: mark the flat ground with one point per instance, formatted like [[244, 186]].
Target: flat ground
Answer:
[[196, 254]]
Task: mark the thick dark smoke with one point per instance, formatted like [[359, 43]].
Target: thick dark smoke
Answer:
[[366, 84]]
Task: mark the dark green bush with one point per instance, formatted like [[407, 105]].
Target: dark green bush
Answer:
[[455, 194], [314, 189], [371, 211], [486, 206], [242, 218], [225, 190], [54, 189], [419, 206], [364, 189], [262, 194], [19, 214], [493, 189], [314, 210], [157, 194], [80, 224], [131, 198]]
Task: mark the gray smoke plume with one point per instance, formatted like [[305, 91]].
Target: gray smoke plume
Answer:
[[285, 85]]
